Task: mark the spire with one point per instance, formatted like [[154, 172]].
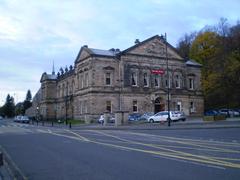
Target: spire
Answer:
[[53, 69]]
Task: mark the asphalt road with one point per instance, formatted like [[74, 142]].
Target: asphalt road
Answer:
[[57, 153]]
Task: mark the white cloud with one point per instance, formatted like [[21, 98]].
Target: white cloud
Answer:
[[34, 33]]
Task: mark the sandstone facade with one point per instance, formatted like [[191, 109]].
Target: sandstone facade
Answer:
[[134, 80]]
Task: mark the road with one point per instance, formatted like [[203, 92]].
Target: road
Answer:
[[58, 153]]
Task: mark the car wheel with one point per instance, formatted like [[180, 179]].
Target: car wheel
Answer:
[[183, 119], [151, 121]]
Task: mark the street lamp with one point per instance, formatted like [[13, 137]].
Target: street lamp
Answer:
[[168, 85], [66, 102], [37, 113]]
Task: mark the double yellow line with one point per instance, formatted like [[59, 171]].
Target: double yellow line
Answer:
[[165, 152]]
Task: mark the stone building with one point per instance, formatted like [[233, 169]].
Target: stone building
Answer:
[[135, 80]]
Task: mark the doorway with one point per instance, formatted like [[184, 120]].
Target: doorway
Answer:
[[158, 105]]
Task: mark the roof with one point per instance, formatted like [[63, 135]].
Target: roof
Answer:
[[111, 52], [191, 62], [46, 76], [147, 40]]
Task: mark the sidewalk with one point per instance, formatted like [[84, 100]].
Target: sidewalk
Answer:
[[193, 123]]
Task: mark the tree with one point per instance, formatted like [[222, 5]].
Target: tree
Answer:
[[9, 107], [217, 48], [185, 43], [27, 102]]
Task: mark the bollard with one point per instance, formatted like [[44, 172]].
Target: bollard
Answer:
[[52, 123], [70, 125], [37, 123], [1, 159]]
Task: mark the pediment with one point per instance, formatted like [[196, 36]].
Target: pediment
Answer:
[[154, 46], [83, 54]]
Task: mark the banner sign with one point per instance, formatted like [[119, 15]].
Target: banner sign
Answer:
[[158, 71]]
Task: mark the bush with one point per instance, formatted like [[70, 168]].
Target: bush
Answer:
[[219, 117]]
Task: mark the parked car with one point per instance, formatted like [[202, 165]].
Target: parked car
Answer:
[[228, 112], [110, 120], [211, 113], [146, 115], [1, 117], [17, 118], [24, 119], [181, 115], [134, 117], [163, 115]]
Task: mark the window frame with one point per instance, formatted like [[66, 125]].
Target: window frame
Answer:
[[135, 106]]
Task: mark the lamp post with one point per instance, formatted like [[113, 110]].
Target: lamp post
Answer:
[[66, 101], [37, 113], [168, 88]]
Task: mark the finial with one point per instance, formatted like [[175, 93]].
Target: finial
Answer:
[[53, 69]]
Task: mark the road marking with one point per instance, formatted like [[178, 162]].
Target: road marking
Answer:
[[175, 154], [187, 155], [190, 162], [78, 135], [10, 170]]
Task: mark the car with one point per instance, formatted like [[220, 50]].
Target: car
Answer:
[[134, 117], [1, 117], [228, 112], [17, 118], [211, 113], [146, 115], [110, 120], [24, 119], [163, 116], [181, 115]]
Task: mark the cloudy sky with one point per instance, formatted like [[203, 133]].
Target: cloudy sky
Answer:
[[34, 33]]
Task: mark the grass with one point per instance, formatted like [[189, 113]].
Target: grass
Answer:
[[74, 122]]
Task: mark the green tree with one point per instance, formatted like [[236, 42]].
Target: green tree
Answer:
[[9, 107], [27, 102]]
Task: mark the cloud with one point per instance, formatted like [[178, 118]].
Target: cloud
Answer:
[[34, 33]]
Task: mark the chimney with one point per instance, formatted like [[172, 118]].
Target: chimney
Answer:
[[137, 41]]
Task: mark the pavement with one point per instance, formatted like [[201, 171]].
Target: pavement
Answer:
[[190, 123]]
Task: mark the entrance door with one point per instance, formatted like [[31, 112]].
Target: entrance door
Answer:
[[158, 106]]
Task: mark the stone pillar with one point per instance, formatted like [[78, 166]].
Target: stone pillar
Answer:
[[118, 118], [121, 117], [106, 117], [125, 117], [86, 119]]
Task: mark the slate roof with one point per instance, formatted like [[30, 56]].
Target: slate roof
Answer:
[[191, 62], [101, 52]]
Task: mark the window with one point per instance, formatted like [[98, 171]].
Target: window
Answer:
[[191, 83], [192, 107], [135, 108], [78, 82], [86, 106], [167, 82], [108, 78], [179, 106], [134, 79], [63, 89], [82, 81], [86, 80], [156, 80], [177, 81], [108, 106], [145, 79], [59, 91]]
